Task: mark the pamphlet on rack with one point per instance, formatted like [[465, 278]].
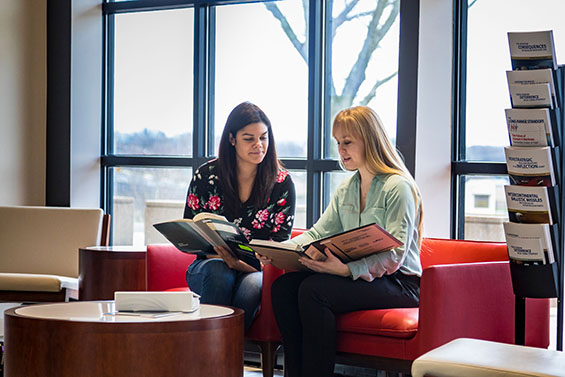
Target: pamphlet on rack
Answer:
[[529, 243], [532, 50], [532, 77], [533, 95], [530, 204], [529, 127], [530, 166]]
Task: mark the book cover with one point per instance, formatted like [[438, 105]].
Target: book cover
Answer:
[[529, 242], [530, 166], [529, 127], [357, 243], [205, 231], [529, 204], [283, 256], [532, 50], [532, 95], [531, 77], [347, 246]]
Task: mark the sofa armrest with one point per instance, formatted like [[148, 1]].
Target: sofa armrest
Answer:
[[475, 300], [264, 327], [166, 267]]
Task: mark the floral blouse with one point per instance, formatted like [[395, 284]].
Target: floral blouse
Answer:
[[272, 222]]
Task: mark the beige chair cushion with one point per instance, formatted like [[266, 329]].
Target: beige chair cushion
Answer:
[[479, 358], [36, 282], [45, 240]]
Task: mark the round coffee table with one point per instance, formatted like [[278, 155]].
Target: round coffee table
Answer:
[[81, 339]]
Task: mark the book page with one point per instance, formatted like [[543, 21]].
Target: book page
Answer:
[[208, 215]]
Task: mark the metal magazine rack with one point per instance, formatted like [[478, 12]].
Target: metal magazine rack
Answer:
[[546, 280]]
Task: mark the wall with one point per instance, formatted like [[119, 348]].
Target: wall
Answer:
[[433, 146], [22, 108]]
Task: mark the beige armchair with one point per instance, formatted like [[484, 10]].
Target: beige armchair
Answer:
[[39, 250]]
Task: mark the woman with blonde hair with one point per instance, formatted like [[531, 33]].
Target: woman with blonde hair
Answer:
[[380, 191]]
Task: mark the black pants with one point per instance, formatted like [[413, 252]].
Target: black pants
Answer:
[[306, 304]]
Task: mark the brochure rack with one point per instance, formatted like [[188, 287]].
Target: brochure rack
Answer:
[[546, 280]]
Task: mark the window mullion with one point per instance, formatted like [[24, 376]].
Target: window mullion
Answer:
[[315, 92]]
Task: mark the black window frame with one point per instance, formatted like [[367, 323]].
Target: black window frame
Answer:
[[315, 164], [460, 165]]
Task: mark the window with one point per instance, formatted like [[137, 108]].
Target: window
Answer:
[[175, 69], [482, 94]]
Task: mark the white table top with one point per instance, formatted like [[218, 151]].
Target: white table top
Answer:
[[104, 311]]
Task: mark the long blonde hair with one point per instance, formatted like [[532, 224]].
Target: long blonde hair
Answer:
[[381, 156]]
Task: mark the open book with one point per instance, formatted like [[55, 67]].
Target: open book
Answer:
[[347, 246], [206, 230]]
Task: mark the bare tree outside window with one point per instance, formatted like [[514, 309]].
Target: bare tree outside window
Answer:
[[378, 17]]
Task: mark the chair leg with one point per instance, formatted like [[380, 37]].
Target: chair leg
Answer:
[[268, 360]]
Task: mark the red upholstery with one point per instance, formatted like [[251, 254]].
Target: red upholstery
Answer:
[[166, 267], [457, 299], [466, 291]]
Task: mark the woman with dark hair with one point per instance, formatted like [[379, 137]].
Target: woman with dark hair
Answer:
[[248, 185]]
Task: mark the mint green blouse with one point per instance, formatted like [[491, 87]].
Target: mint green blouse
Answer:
[[391, 204]]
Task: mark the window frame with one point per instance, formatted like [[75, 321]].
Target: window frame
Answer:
[[314, 165], [460, 166]]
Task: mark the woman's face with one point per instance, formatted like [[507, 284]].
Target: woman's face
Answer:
[[351, 149], [251, 143]]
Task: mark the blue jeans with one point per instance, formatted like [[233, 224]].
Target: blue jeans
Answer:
[[217, 284]]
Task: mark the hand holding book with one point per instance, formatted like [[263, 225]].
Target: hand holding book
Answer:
[[326, 263]]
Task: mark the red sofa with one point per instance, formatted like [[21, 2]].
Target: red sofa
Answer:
[[466, 291]]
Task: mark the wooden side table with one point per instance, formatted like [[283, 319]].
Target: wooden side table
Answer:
[[79, 339], [106, 269]]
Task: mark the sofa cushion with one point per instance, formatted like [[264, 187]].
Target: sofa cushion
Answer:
[[395, 323], [36, 282]]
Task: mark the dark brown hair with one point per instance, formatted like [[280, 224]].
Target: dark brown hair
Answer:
[[242, 115]]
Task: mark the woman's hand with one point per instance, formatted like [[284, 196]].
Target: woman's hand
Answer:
[[332, 265], [231, 261], [264, 260]]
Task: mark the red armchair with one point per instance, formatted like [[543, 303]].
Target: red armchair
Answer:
[[459, 298], [465, 291]]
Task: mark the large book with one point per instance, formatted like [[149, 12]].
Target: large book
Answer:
[[530, 166], [347, 246], [529, 204], [532, 50], [532, 95], [529, 127], [529, 243], [531, 77], [205, 231]]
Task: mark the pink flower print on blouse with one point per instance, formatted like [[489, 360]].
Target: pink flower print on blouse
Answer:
[[281, 176], [262, 215], [282, 202], [276, 228], [214, 203], [246, 232], [279, 218], [192, 202], [258, 224]]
